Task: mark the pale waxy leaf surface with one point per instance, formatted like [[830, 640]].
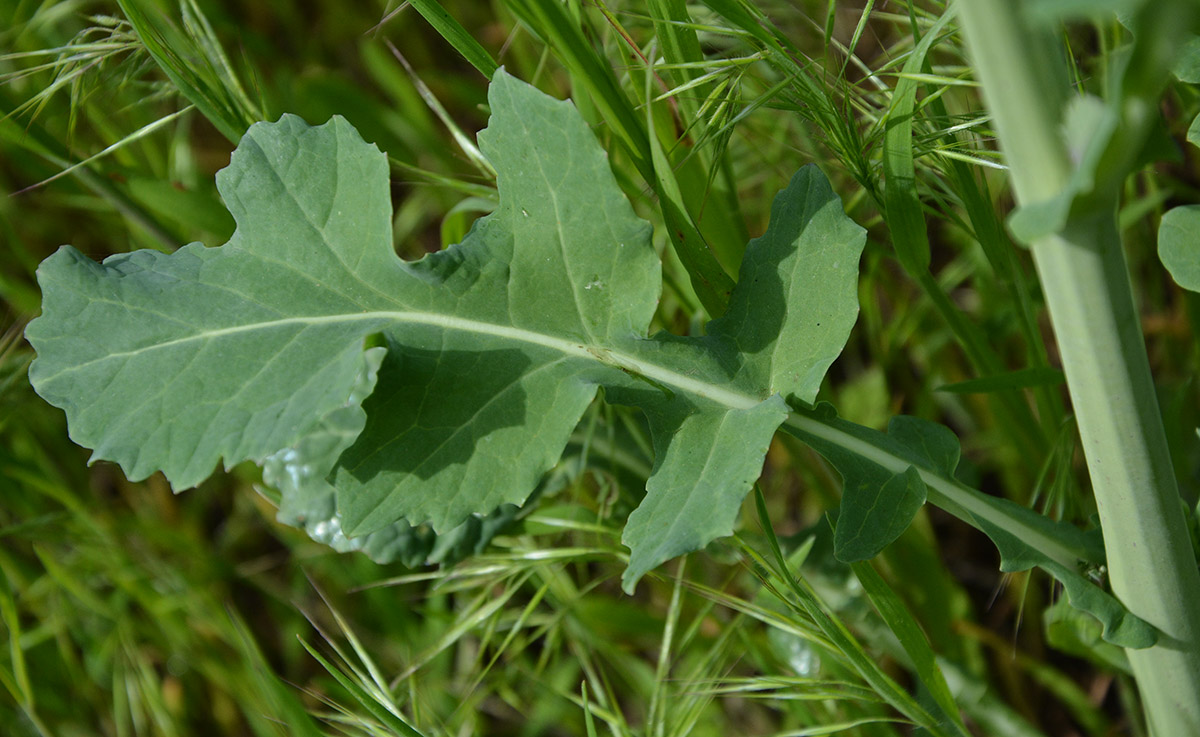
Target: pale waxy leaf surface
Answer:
[[173, 362], [308, 500], [494, 347]]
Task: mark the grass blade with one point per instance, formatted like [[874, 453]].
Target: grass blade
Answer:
[[901, 622], [457, 36]]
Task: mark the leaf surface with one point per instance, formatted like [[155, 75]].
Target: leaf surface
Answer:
[[493, 347], [308, 500], [172, 362]]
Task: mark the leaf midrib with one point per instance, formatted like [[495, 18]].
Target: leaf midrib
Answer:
[[599, 354]]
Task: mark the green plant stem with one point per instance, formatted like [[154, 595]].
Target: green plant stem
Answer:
[[1150, 559], [1086, 281]]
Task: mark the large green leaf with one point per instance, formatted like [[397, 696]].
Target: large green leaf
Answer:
[[494, 347]]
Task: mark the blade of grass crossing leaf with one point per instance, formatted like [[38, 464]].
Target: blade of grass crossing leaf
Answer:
[[710, 281], [462, 139], [837, 632], [468, 189], [457, 36], [139, 133], [902, 624], [905, 219], [377, 710]]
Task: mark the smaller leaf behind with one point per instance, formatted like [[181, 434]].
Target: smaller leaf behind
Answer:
[[1179, 245], [878, 503]]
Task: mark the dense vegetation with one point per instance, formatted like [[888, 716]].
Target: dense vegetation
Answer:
[[130, 610]]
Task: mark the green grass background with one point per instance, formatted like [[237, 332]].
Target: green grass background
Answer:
[[128, 610]]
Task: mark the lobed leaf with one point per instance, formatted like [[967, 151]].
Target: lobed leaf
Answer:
[[172, 362], [487, 353]]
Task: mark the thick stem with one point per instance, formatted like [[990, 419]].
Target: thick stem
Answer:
[[1086, 282], [1150, 559]]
